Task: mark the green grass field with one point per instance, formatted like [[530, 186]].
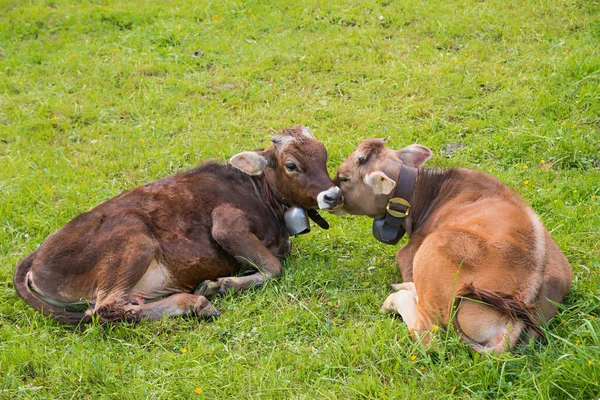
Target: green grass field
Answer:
[[97, 97]]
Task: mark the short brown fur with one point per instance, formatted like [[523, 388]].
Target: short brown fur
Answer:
[[193, 230], [470, 235]]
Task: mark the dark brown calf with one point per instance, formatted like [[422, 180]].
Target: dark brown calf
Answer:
[[165, 238], [471, 237]]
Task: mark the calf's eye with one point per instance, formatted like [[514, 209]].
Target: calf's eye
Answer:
[[291, 166], [343, 179]]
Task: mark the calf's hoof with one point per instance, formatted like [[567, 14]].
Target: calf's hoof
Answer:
[[210, 289], [207, 288], [205, 309], [410, 286]]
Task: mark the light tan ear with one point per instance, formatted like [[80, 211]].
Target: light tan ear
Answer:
[[380, 183], [307, 132], [414, 155], [250, 162]]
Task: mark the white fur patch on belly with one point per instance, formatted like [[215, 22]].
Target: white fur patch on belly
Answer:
[[155, 282]]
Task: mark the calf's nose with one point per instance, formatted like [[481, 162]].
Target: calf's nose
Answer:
[[330, 198]]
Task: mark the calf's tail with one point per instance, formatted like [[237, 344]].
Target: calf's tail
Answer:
[[508, 304], [23, 288]]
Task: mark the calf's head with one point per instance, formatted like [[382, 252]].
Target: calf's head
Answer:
[[295, 168], [368, 176]]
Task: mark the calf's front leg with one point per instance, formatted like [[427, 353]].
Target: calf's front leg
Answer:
[[405, 256], [232, 232]]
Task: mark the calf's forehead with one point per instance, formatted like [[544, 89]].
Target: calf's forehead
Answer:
[[367, 155], [309, 151], [352, 165]]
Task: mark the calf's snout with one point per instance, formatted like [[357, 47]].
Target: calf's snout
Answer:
[[330, 198]]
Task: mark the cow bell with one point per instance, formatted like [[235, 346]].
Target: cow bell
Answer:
[[296, 221], [386, 233]]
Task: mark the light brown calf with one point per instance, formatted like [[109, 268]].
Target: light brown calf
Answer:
[[474, 244]]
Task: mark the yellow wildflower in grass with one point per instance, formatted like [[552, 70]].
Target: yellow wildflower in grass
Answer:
[[592, 317], [593, 197], [198, 390], [575, 190], [184, 350], [590, 362], [525, 167], [413, 357], [452, 357], [20, 82], [577, 342], [435, 328], [422, 368], [542, 161], [525, 182]]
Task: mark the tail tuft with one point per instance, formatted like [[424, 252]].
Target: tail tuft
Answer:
[[508, 303]]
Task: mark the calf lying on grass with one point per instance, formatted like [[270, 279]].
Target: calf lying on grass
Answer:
[[474, 244], [167, 237]]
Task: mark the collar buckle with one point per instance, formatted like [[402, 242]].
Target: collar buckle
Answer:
[[400, 202]]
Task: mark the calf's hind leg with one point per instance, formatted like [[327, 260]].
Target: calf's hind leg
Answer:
[[556, 280], [174, 305], [129, 255]]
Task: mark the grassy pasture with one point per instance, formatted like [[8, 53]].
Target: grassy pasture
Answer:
[[97, 97]]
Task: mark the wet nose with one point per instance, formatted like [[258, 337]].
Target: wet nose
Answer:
[[330, 198]]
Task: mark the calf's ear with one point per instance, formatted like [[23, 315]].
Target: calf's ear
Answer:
[[414, 155], [250, 162], [307, 132], [380, 183]]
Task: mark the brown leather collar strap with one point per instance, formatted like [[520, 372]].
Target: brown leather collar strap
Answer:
[[390, 229]]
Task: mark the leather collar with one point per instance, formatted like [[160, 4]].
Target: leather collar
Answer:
[[393, 226]]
